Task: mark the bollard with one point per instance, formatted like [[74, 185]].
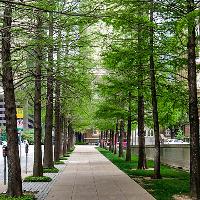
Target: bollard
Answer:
[[26, 151], [5, 153]]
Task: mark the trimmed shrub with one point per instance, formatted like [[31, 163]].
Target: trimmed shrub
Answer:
[[23, 197], [50, 170], [37, 179], [59, 162]]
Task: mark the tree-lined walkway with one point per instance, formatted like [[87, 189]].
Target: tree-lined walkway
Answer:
[[90, 176]]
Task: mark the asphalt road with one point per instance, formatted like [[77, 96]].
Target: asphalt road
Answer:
[[30, 157]]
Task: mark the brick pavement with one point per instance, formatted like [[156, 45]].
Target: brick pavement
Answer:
[[41, 189]]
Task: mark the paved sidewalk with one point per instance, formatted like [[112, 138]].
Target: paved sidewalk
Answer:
[[41, 189], [3, 187], [90, 176]]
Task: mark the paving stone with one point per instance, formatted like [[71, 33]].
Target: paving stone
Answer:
[[90, 176], [41, 189], [87, 175]]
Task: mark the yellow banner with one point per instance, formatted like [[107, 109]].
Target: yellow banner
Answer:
[[20, 113]]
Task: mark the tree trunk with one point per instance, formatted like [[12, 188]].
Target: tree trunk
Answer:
[[128, 146], [101, 139], [61, 135], [172, 133], [116, 137], [154, 99], [48, 146], [14, 169], [70, 137], [193, 109], [121, 138], [57, 122], [142, 155], [106, 139], [65, 137], [37, 167], [112, 140]]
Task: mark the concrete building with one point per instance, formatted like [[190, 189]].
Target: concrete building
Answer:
[[24, 121], [91, 136]]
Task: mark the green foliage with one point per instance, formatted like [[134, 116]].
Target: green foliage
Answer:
[[180, 135], [173, 182], [71, 150], [81, 143], [63, 158], [23, 197], [28, 135], [37, 179], [59, 162], [3, 134], [50, 170]]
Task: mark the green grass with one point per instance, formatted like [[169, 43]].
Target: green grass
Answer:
[[23, 197], [63, 158], [67, 155], [81, 143], [37, 179], [71, 150], [50, 170], [59, 162], [173, 182]]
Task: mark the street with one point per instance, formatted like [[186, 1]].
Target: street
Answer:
[[23, 161]]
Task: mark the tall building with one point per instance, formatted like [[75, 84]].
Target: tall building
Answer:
[[24, 121]]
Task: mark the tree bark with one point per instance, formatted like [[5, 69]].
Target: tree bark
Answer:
[[116, 137], [65, 137], [57, 122], [14, 169], [121, 138], [48, 146], [142, 155], [101, 139], [128, 147], [141, 137], [193, 109], [37, 167], [154, 99], [106, 139], [70, 136], [61, 135], [112, 140]]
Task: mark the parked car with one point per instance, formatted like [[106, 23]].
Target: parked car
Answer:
[[175, 141]]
